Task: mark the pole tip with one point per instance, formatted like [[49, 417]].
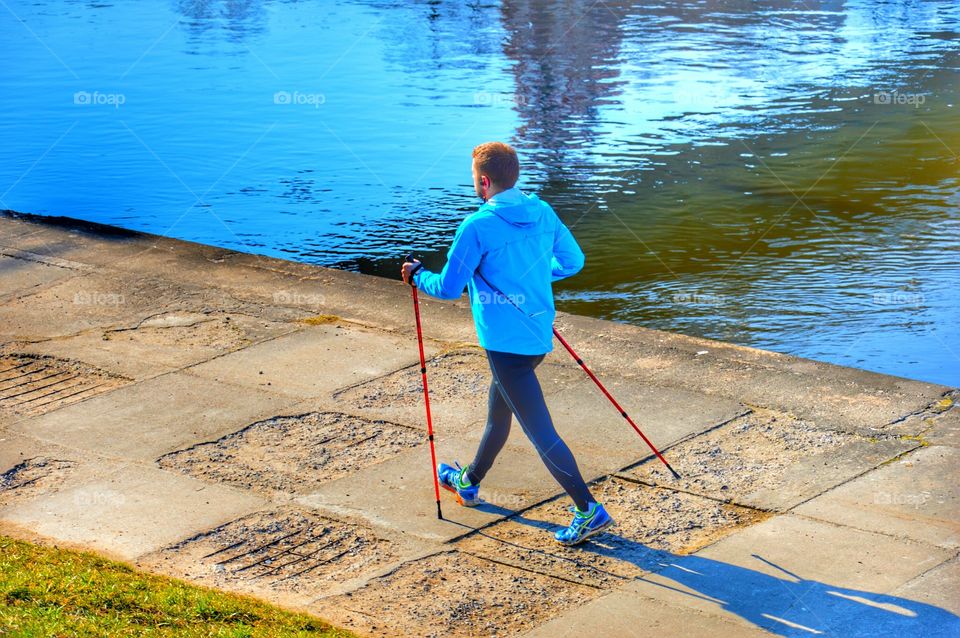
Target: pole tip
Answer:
[[673, 471], [439, 512]]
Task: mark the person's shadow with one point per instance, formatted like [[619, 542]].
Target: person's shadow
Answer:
[[789, 606]]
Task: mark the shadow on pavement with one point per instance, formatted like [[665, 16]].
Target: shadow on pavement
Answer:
[[788, 606]]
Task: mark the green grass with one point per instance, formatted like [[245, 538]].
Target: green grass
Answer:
[[54, 592]]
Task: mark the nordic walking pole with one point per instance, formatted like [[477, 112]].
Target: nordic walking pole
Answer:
[[426, 393], [622, 412]]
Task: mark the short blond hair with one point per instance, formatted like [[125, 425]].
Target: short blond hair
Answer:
[[499, 162]]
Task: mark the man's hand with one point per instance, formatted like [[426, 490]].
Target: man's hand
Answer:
[[407, 267]]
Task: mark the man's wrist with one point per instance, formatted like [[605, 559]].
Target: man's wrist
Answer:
[[413, 271]]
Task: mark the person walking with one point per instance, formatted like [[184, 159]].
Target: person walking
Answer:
[[507, 254]]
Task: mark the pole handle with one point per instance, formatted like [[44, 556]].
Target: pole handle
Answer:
[[409, 258]]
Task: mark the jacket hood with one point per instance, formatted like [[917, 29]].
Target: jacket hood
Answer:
[[525, 212]]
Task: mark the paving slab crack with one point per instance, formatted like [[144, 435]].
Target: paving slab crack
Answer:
[[531, 571], [947, 401], [879, 532], [856, 476], [725, 501]]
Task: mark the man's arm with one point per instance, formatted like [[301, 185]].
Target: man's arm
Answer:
[[462, 261], [567, 257]]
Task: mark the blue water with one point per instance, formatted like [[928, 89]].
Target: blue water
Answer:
[[778, 174]]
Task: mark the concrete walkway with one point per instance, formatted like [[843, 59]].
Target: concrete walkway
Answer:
[[257, 425]]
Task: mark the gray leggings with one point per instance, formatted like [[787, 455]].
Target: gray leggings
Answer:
[[516, 390]]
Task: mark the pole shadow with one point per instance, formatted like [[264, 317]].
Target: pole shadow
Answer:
[[790, 605]]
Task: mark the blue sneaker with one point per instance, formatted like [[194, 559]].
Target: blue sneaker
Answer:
[[584, 525], [455, 479]]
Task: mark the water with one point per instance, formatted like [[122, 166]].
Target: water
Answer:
[[780, 174]]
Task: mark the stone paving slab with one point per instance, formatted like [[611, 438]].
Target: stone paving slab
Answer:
[[99, 245], [46, 259], [314, 361], [132, 252], [827, 394], [92, 300], [361, 298], [15, 448], [163, 343], [623, 613], [30, 468], [293, 454], [935, 598], [590, 424], [20, 276], [398, 494], [32, 384], [939, 586], [908, 498], [126, 510], [12, 227], [145, 420], [103, 302], [286, 551], [794, 576], [946, 430], [254, 278], [650, 522], [456, 595], [768, 460], [369, 300], [458, 381], [403, 497]]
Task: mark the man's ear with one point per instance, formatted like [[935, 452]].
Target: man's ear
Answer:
[[484, 187]]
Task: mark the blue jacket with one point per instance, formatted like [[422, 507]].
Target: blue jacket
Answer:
[[517, 244]]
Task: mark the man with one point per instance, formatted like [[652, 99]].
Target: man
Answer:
[[507, 254]]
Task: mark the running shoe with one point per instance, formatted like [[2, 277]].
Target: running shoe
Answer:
[[455, 479], [584, 525]]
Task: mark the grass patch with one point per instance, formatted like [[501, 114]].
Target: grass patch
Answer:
[[54, 592]]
